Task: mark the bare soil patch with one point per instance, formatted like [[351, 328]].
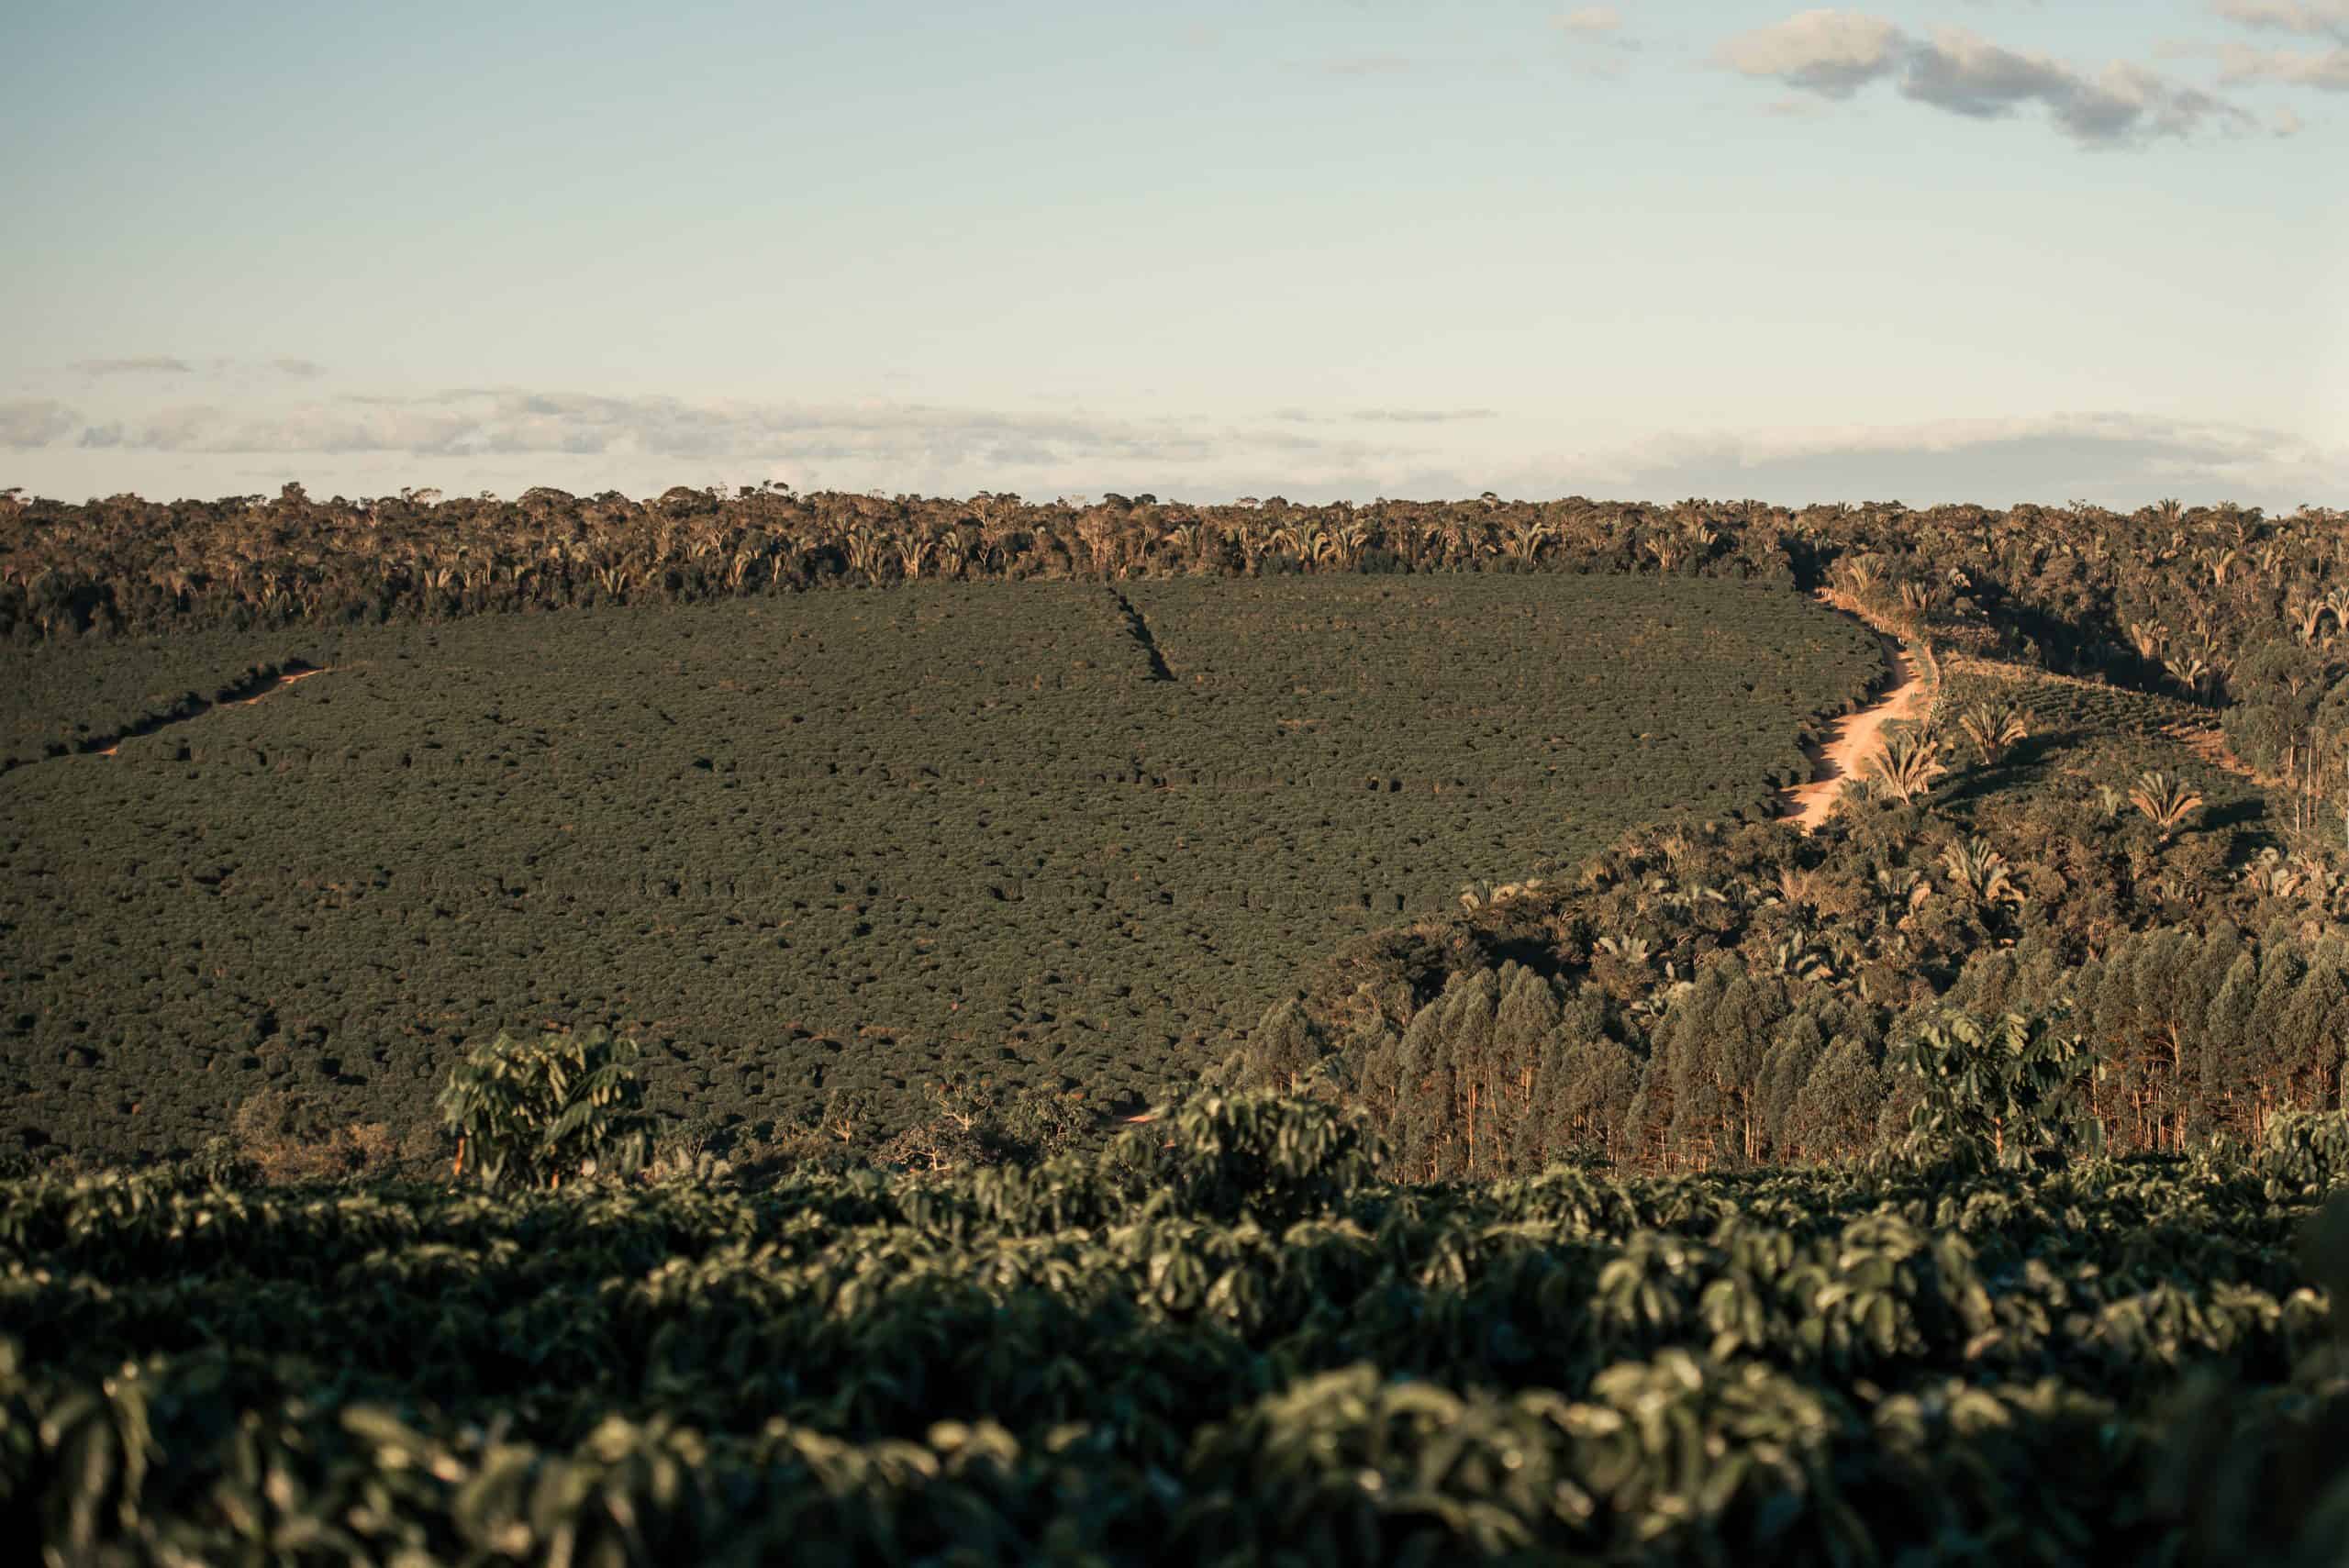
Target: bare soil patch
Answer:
[[2208, 742]]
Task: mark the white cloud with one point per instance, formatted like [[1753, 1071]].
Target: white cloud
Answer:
[[1420, 416], [1835, 54], [214, 368], [1296, 416], [506, 440], [2328, 72], [478, 429], [2117, 460], [1595, 40], [146, 364], [30, 422], [1832, 53], [2308, 17]]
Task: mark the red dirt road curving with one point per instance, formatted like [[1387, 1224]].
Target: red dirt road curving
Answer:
[[284, 681], [1850, 740]]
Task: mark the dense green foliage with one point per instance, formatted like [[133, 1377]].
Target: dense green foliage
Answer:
[[1738, 996], [844, 843], [2093, 810], [564, 1104], [1229, 1340], [2210, 603], [1947, 1184], [99, 693]]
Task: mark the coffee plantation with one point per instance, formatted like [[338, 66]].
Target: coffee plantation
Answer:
[[755, 1026], [840, 842], [1229, 1341]]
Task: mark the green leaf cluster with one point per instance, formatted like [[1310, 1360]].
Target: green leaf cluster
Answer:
[[537, 1108]]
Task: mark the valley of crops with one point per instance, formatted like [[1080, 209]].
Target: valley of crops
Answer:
[[1063, 834]]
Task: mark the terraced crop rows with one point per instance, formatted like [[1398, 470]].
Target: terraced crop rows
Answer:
[[2108, 735]]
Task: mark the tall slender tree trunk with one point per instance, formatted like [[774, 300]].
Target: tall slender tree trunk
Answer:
[[1472, 1126]]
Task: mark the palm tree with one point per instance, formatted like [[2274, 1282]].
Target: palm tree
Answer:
[[1187, 540], [1254, 536], [1859, 576], [1980, 873], [1992, 730], [1526, 538], [1632, 950], [2337, 601], [2190, 670], [954, 551], [2165, 802], [1907, 765], [1915, 599]]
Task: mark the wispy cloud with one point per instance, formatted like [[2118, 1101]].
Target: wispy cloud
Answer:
[[1834, 54], [2312, 18], [1368, 65], [506, 440], [27, 423], [1420, 415], [1596, 39], [2115, 459], [213, 368], [146, 364], [498, 423], [1383, 415], [2328, 72]]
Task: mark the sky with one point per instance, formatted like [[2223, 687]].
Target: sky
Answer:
[[1320, 249]]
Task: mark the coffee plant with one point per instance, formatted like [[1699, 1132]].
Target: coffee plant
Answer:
[[538, 1108], [1227, 1338]]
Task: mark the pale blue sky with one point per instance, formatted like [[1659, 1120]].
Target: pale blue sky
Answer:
[[1925, 252]]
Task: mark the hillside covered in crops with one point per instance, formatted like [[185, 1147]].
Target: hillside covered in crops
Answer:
[[1062, 835], [1132, 1032], [834, 800]]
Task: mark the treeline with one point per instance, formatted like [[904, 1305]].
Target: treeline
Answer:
[[1739, 996], [2224, 604], [2172, 1043]]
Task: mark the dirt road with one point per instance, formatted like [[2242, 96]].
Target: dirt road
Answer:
[[1850, 742], [244, 699]]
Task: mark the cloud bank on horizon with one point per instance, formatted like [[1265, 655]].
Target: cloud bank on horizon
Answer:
[[1675, 249], [505, 441]]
